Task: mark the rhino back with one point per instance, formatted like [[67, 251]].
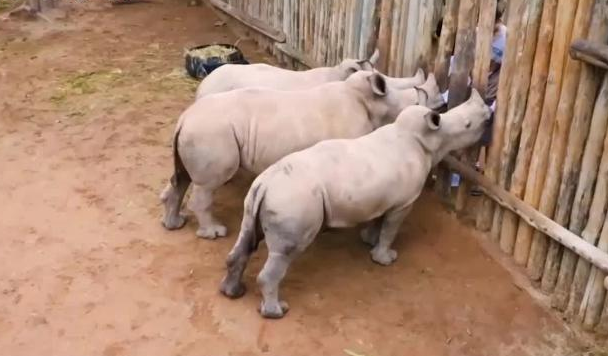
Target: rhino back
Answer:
[[364, 178], [277, 125]]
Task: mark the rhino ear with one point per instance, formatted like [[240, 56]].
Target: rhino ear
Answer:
[[432, 119], [378, 84]]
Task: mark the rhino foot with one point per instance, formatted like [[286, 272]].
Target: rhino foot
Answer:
[[211, 232], [384, 256], [231, 289], [174, 222], [274, 310]]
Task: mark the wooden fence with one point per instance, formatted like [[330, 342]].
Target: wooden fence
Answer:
[[548, 161]]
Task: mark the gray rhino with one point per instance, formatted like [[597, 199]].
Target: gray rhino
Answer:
[[372, 180], [236, 76], [252, 128]]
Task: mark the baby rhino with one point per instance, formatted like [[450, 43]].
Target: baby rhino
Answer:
[[255, 127], [339, 183]]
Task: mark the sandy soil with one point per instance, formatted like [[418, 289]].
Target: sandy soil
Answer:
[[87, 108]]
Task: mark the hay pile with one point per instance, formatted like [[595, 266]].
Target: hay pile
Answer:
[[213, 51]]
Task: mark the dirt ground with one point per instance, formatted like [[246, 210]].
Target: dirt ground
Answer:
[[87, 108]]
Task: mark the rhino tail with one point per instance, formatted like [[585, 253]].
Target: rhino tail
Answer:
[[249, 239], [180, 174]]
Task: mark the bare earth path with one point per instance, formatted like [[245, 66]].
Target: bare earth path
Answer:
[[87, 108]]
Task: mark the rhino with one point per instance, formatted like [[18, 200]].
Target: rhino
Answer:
[[371, 180], [252, 128], [235, 76]]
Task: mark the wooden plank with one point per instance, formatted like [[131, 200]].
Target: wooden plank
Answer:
[[250, 21], [566, 10], [533, 217], [540, 72]]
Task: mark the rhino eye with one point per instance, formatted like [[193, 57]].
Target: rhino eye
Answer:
[[468, 124]]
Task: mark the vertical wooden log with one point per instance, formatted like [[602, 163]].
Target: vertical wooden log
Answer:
[[566, 10], [483, 45], [464, 52], [446, 43], [384, 34], [481, 63], [402, 39], [425, 35], [395, 37], [531, 121], [486, 211], [589, 83], [516, 106], [591, 306], [447, 39], [372, 41], [411, 37], [558, 142]]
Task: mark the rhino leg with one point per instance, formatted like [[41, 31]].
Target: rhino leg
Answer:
[[200, 204], [371, 232], [232, 285], [269, 278], [382, 253], [172, 198], [283, 247]]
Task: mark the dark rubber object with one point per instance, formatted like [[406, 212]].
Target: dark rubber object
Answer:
[[199, 68]]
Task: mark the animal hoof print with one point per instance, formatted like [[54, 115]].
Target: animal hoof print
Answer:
[[233, 290], [174, 223], [384, 258], [274, 311], [211, 232]]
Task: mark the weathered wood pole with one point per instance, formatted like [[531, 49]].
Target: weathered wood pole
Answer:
[[516, 110], [446, 43], [464, 56], [590, 81], [536, 95], [447, 40], [395, 43], [597, 146], [384, 34], [532, 216], [481, 66], [566, 10], [486, 211], [559, 139]]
